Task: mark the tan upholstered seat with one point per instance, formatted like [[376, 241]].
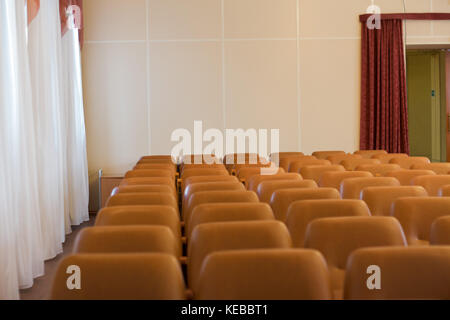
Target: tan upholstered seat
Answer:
[[230, 160], [298, 165], [158, 161], [163, 156], [216, 197], [315, 172], [156, 166], [369, 153], [440, 231], [301, 213], [254, 181], [379, 170], [142, 199], [140, 215], [352, 164], [333, 179], [264, 275], [210, 186], [432, 183], [407, 163], [149, 173], [200, 179], [228, 212], [325, 154], [406, 273], [286, 162], [211, 237], [283, 198], [338, 158], [418, 214], [245, 173], [152, 276], [148, 181], [202, 172], [351, 188], [127, 239], [238, 167], [438, 168], [199, 159], [386, 158], [267, 188], [445, 191], [337, 238], [380, 199], [406, 176], [151, 188]]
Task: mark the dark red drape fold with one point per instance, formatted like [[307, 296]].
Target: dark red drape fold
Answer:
[[63, 5], [384, 110]]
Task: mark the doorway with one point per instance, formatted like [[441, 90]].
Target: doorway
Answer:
[[428, 81]]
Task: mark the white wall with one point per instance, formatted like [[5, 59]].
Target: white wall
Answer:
[[151, 66]]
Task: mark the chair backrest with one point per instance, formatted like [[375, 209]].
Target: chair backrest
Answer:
[[228, 212], [379, 170], [352, 164], [407, 163], [386, 158], [142, 199], [200, 179], [351, 188], [406, 176], [301, 213], [432, 184], [140, 215], [445, 191], [214, 166], [286, 162], [296, 166], [209, 186], [151, 276], [333, 179], [380, 199], [283, 198], [264, 275], [315, 172], [148, 181], [199, 159], [440, 232], [162, 156], [267, 188], [156, 166], [211, 237], [216, 197], [405, 273], [418, 214], [254, 181], [149, 173], [337, 238], [370, 153], [245, 173], [203, 172], [158, 161], [325, 154], [151, 188], [438, 168], [338, 158], [127, 239]]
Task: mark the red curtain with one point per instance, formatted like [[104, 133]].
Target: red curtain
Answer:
[[384, 110], [63, 5]]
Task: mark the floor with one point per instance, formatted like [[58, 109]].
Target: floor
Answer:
[[42, 285]]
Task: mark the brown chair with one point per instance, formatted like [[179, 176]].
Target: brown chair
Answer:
[[379, 170], [315, 172], [368, 154], [301, 213], [202, 172], [380, 199], [432, 184], [199, 159], [298, 165], [245, 173], [150, 276], [351, 188], [158, 161], [337, 238], [286, 162], [408, 163], [156, 166], [323, 155], [254, 181], [127, 239], [235, 169], [200, 179], [210, 186], [151, 188], [228, 212], [216, 197], [338, 158], [417, 215], [214, 166], [264, 275], [149, 173], [163, 156], [148, 181], [386, 158], [267, 188], [405, 274], [211, 237], [438, 168], [142, 199], [406, 176], [333, 179], [283, 198], [140, 215], [352, 164], [230, 160], [445, 191], [440, 232]]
